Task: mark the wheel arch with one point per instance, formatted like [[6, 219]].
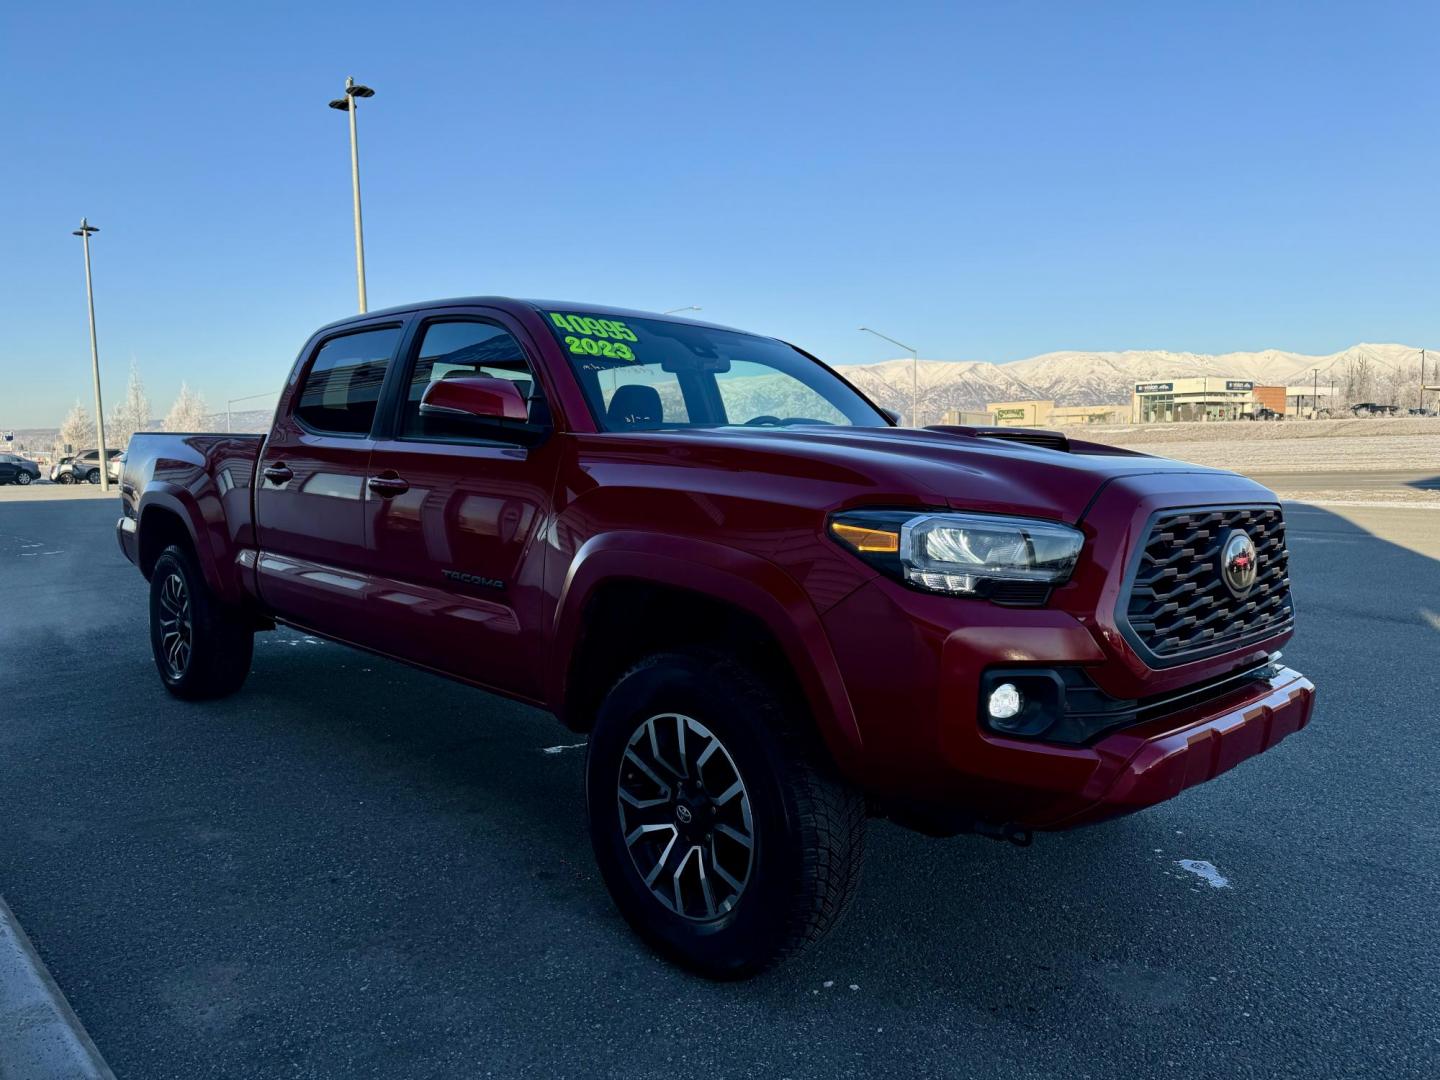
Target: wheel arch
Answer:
[[628, 595], [167, 517]]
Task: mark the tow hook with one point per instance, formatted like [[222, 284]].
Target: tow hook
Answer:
[[1013, 833]]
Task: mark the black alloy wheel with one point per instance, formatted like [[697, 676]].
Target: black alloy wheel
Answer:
[[718, 823], [202, 647]]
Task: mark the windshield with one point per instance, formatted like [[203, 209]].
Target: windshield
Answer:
[[644, 374]]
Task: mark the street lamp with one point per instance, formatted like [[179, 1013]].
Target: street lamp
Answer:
[[84, 232], [914, 374], [347, 104], [673, 310]]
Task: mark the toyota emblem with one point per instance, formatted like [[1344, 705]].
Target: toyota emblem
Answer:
[[1238, 562]]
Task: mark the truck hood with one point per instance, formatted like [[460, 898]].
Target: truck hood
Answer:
[[940, 466]]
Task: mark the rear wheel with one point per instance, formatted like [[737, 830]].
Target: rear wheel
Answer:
[[202, 647], [94, 476], [23, 478], [719, 829]]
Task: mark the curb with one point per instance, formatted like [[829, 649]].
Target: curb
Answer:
[[40, 1036]]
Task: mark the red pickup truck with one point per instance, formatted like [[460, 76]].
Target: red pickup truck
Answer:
[[774, 612]]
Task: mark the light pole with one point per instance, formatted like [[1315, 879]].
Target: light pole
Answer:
[[84, 233], [347, 104], [674, 310], [914, 374]]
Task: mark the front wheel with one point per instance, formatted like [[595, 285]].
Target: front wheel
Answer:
[[94, 476], [65, 478], [720, 832], [202, 647]]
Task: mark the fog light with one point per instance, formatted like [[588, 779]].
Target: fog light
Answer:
[[1004, 701]]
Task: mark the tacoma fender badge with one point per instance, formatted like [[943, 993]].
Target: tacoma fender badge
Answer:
[[473, 579]]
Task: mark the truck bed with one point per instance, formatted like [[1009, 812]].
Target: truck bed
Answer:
[[205, 481]]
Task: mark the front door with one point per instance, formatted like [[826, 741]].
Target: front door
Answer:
[[311, 484], [457, 513]]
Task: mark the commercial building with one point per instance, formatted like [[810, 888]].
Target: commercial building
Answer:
[[1040, 413], [1311, 399], [966, 418], [1272, 398], [1205, 398]]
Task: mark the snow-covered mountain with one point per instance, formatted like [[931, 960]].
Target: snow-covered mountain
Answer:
[[1098, 378]]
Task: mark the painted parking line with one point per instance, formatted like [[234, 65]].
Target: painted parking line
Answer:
[[41, 1038]]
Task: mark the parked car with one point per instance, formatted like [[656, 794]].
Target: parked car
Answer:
[[772, 611], [84, 467], [15, 469], [61, 469]]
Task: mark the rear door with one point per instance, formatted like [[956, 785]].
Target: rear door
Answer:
[[310, 487], [457, 511]]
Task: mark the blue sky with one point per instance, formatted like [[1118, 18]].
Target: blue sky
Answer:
[[982, 180]]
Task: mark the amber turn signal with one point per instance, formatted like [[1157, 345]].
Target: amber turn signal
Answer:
[[863, 539]]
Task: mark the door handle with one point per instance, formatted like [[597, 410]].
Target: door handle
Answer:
[[387, 487], [279, 473]]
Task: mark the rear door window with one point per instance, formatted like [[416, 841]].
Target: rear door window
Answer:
[[342, 387]]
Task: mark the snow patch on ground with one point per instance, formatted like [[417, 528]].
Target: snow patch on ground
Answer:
[[1205, 871]]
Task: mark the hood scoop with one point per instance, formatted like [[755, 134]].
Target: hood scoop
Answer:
[[1048, 440]]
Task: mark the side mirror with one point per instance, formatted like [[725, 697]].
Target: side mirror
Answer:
[[474, 396]]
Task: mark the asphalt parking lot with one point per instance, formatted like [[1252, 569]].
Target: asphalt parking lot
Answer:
[[355, 869]]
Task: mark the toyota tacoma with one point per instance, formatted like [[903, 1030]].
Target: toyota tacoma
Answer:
[[773, 612]]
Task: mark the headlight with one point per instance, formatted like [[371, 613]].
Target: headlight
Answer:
[[1009, 559]]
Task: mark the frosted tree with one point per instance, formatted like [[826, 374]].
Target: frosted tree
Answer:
[[188, 413], [77, 431], [131, 415]]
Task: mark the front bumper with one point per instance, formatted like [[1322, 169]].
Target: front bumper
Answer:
[[1147, 764], [916, 693]]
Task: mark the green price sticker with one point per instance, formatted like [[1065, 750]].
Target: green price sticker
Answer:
[[587, 336], [602, 328], [589, 346]]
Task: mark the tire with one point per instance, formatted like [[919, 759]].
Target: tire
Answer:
[[23, 478], [806, 829], [65, 478], [202, 648], [93, 477]]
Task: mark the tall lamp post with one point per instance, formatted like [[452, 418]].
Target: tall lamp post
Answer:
[[347, 104], [84, 232], [914, 374]]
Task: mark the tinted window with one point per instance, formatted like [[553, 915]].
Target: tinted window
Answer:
[[342, 387], [455, 350]]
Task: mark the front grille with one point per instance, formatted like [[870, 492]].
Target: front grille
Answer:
[[1179, 607]]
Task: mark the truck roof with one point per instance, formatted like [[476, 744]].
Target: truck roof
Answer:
[[511, 303]]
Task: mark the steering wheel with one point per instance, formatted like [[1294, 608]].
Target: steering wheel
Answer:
[[764, 421]]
